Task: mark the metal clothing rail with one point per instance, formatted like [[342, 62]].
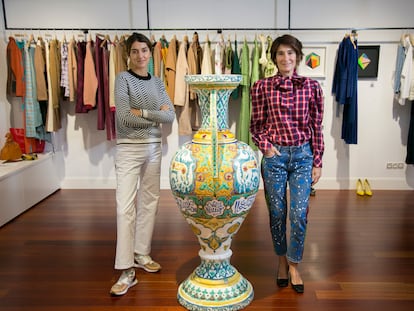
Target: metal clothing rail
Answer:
[[220, 30]]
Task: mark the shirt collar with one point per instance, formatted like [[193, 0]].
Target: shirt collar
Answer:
[[287, 83]]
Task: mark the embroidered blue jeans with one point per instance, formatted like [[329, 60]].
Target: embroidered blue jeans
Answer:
[[294, 168]]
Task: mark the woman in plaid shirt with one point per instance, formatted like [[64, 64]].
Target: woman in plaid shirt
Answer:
[[286, 125]]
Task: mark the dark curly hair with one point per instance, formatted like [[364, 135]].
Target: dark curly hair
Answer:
[[291, 41]]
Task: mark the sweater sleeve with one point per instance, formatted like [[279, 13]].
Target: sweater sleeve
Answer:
[[161, 116], [123, 108]]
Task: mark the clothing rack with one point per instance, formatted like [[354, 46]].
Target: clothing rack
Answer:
[[273, 32]]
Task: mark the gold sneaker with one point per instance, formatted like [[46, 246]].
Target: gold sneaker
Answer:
[[145, 262], [125, 281]]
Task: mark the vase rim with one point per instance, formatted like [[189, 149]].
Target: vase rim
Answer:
[[213, 78]]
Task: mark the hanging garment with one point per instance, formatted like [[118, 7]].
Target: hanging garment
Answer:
[[228, 57], [219, 57], [81, 52], [181, 70], [244, 116], [90, 80], [399, 65], [112, 75], [271, 68], [198, 51], [33, 118], [72, 70], [406, 86], [194, 57], [40, 74], [15, 73], [122, 56], [263, 58], [170, 67], [164, 52], [192, 64], [410, 142], [345, 85], [236, 69], [156, 55], [100, 45], [109, 113], [206, 64], [53, 122], [40, 70], [64, 69], [255, 75], [181, 95]]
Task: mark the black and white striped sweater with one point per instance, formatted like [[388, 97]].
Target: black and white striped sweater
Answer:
[[146, 93]]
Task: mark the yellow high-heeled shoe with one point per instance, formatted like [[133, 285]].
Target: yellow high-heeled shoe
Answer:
[[367, 188], [359, 188]]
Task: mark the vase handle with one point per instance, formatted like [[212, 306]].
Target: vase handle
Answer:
[[213, 125]]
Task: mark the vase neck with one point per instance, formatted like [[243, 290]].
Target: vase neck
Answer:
[[221, 98]]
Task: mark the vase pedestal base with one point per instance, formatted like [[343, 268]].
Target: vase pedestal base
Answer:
[[215, 285]]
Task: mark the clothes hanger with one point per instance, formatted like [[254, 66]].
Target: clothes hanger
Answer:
[[30, 40], [411, 36], [105, 40]]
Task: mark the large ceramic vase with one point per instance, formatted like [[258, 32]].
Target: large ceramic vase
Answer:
[[214, 179]]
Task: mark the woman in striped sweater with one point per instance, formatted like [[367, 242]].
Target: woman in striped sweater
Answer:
[[142, 104]]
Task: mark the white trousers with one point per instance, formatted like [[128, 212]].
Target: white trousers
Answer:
[[138, 169]]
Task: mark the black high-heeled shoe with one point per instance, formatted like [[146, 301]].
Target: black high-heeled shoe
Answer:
[[299, 288], [282, 282]]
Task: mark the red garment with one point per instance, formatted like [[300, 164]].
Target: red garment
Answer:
[[15, 69], [100, 45], [80, 58]]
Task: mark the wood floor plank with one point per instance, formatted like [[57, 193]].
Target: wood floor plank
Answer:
[[59, 255], [370, 291]]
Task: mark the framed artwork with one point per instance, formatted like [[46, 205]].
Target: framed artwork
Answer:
[[313, 62], [368, 56]]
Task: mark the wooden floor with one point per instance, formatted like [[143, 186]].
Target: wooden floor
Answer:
[[359, 255]]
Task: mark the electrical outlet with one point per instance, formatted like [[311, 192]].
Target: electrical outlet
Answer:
[[395, 165]]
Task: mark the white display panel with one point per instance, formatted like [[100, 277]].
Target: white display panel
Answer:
[[325, 14], [76, 14]]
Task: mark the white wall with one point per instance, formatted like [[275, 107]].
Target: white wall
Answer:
[[87, 159]]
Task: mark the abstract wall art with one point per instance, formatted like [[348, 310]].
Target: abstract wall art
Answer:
[[368, 57], [313, 62]]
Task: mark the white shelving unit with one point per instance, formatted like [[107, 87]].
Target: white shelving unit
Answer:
[[23, 184]]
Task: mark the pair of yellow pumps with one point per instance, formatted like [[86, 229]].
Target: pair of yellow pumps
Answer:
[[363, 187]]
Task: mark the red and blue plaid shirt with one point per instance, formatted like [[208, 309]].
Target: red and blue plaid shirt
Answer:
[[288, 111]]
